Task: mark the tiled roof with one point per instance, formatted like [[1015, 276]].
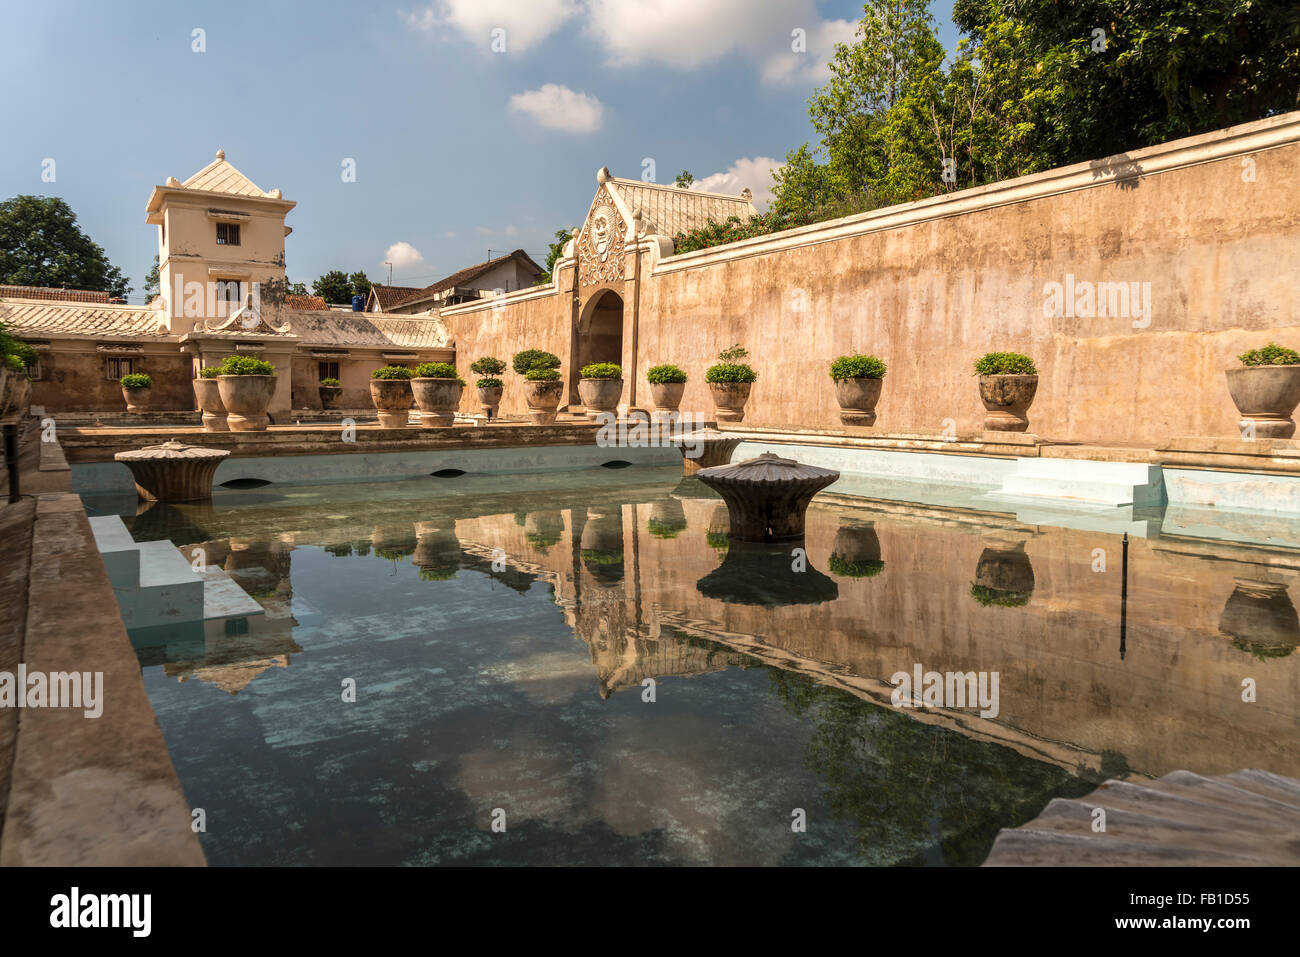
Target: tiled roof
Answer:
[[390, 296], [52, 295], [305, 302], [220, 176], [669, 210], [466, 277], [41, 319], [336, 328]]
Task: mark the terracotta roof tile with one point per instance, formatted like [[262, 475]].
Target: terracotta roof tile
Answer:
[[43, 319], [314, 303], [52, 295]]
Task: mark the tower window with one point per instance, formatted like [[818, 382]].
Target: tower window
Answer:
[[227, 234]]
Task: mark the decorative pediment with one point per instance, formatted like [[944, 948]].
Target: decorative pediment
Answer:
[[246, 319], [601, 243]]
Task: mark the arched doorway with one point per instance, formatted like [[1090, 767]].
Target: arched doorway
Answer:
[[599, 336]]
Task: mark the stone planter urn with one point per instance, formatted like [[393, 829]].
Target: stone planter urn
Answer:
[[437, 400], [858, 398], [392, 399], [543, 398], [173, 471], [246, 398], [601, 546], [329, 396], [666, 396], [1007, 398], [437, 551], [490, 400], [207, 394], [600, 395], [137, 400], [705, 448], [15, 390], [767, 496], [1266, 396], [729, 400]]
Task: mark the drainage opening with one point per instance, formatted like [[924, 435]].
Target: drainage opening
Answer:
[[242, 483], [448, 473], [615, 464]]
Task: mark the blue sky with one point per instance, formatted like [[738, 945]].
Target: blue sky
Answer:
[[458, 149]]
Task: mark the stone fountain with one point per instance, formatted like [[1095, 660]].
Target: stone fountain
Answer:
[[767, 497], [173, 471]]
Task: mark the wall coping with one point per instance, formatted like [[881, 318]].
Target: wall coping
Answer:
[[1254, 137]]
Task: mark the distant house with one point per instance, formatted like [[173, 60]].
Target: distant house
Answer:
[[47, 294], [508, 273]]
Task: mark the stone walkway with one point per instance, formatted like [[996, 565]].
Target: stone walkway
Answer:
[[1245, 818]]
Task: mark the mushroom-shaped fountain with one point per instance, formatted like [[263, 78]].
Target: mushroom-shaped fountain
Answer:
[[173, 471], [705, 448], [767, 497]]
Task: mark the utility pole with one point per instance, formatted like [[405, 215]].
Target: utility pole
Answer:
[[390, 272]]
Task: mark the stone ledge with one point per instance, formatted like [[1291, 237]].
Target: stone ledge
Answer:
[[991, 444], [88, 791], [96, 445], [1267, 456]]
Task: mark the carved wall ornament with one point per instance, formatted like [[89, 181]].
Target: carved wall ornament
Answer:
[[601, 244]]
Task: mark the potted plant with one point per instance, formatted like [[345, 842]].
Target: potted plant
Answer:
[[858, 382], [490, 387], [436, 388], [135, 389], [729, 382], [330, 390], [542, 386], [390, 390], [207, 394], [600, 386], [1266, 391], [667, 383], [1008, 381], [246, 385]]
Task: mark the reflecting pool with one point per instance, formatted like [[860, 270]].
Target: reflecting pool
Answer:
[[581, 667]]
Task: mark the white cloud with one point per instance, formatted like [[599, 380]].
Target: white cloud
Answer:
[[403, 256], [687, 34], [526, 22], [755, 173], [682, 34], [560, 108]]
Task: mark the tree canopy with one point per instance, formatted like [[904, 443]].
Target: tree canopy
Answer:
[[338, 287], [42, 245]]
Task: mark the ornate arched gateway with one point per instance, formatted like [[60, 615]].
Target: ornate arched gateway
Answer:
[[627, 219]]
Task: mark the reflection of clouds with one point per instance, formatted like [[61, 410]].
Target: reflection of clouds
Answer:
[[710, 802], [545, 678]]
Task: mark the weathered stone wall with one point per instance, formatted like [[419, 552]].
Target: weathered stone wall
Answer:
[[72, 379], [1212, 223]]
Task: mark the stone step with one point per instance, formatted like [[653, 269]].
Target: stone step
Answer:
[[1249, 817], [118, 549], [1075, 480], [222, 596], [169, 590]]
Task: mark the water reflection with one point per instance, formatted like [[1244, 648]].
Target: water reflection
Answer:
[[754, 573], [1261, 620], [1004, 576], [705, 617]]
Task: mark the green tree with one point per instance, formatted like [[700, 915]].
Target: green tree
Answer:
[[151, 280], [554, 252], [334, 287], [360, 284], [42, 245], [684, 179], [295, 288]]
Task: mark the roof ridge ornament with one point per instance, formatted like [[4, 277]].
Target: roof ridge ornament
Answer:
[[221, 154]]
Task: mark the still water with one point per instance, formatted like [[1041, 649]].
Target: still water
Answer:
[[585, 661]]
